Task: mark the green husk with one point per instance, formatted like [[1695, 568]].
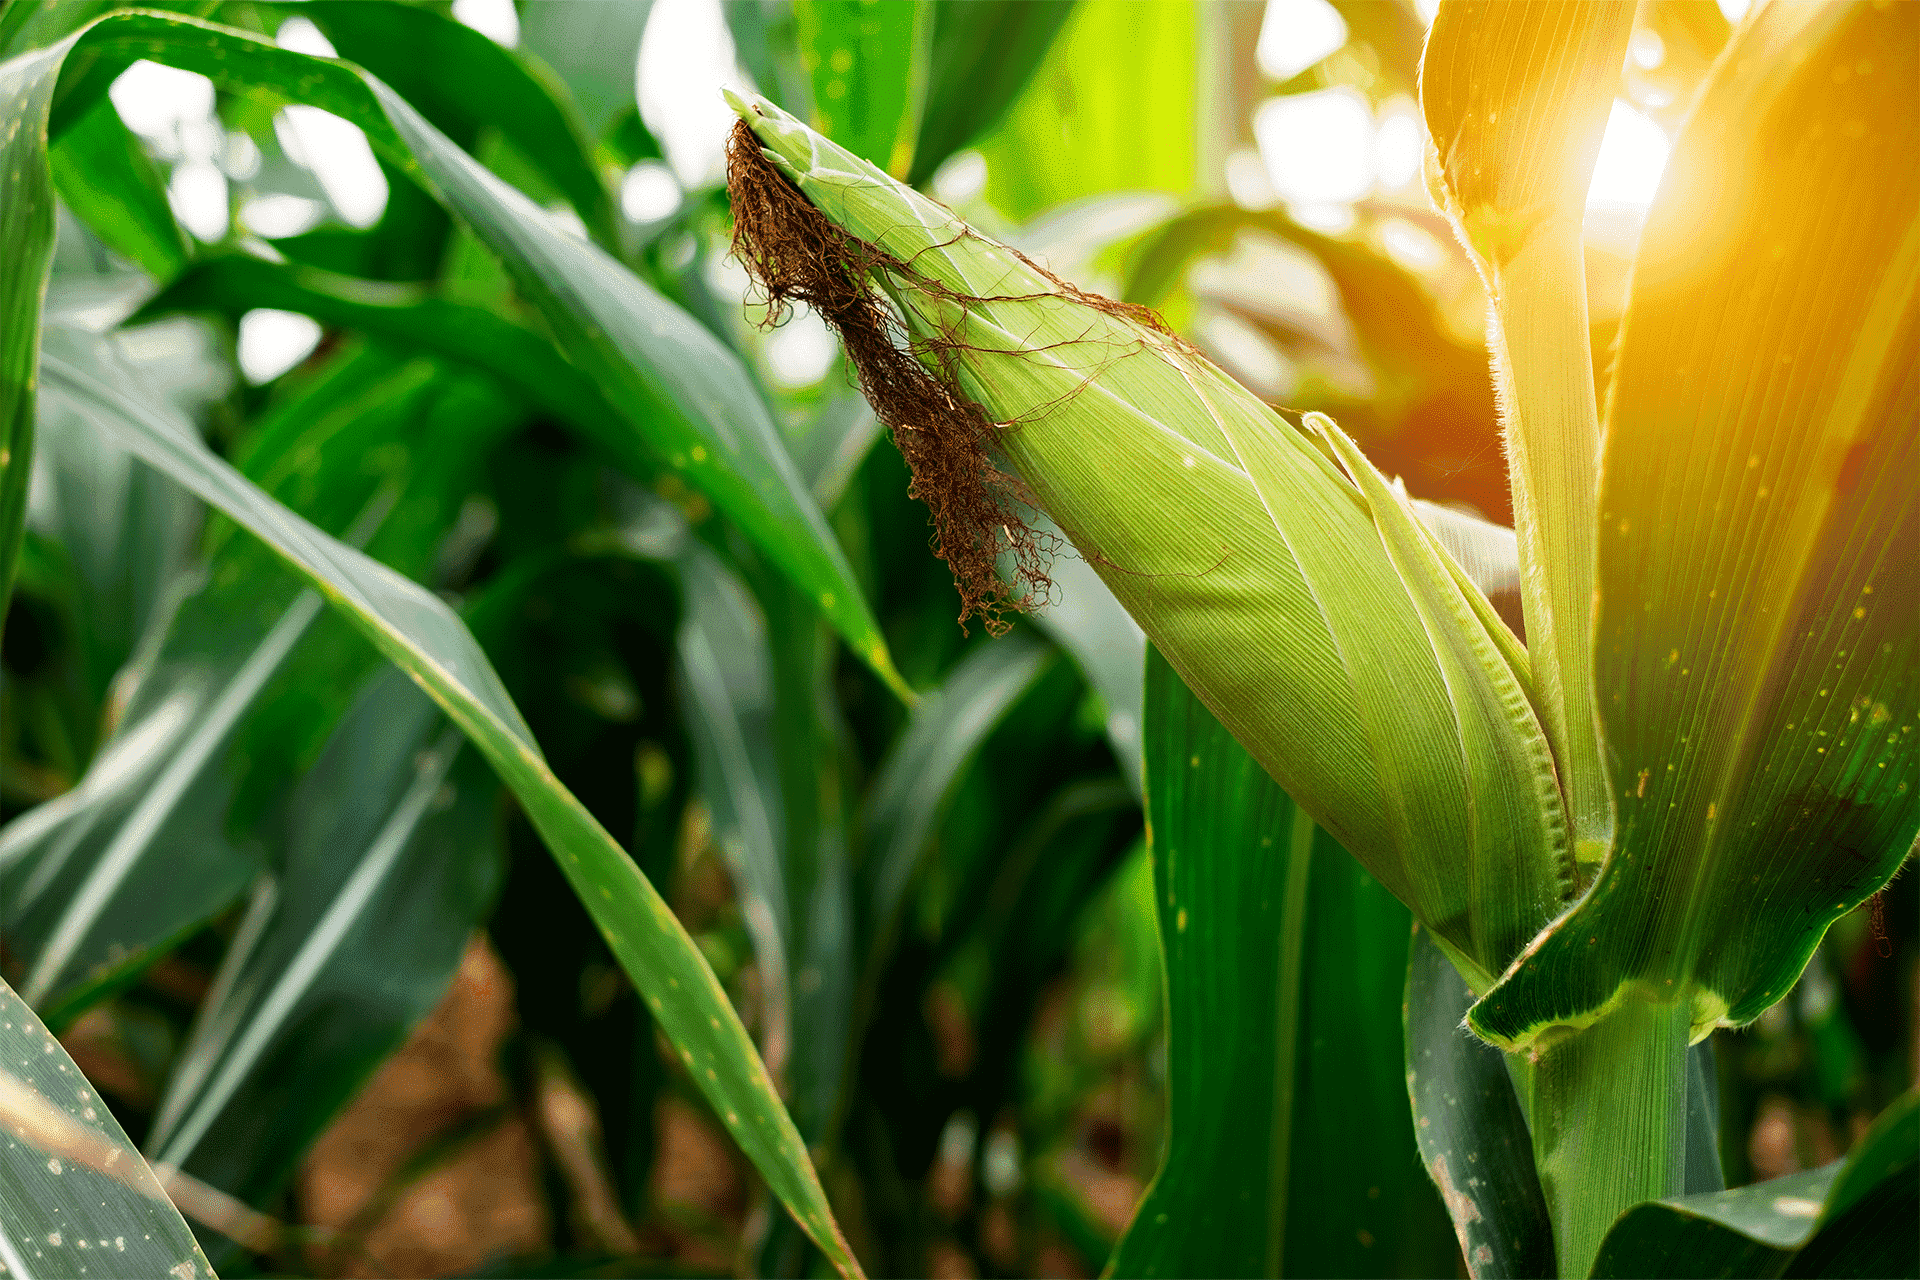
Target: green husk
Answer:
[[1249, 558]]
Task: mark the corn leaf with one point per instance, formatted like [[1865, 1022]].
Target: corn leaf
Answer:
[[405, 317], [868, 64], [124, 531], [76, 1199], [393, 856], [1759, 619], [1113, 106], [1283, 983], [673, 383], [104, 175], [1253, 564], [908, 795], [417, 631], [1516, 97], [1853, 1217], [462, 82], [984, 53], [1471, 1129]]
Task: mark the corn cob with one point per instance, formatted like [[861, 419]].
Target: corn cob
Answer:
[[1312, 614]]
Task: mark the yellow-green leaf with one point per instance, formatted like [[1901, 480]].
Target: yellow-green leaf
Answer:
[[1758, 650]]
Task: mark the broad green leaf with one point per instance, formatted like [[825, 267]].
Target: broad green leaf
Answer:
[[26, 232], [92, 889], [1759, 618], [1509, 765], [461, 81], [1516, 97], [905, 802], [725, 686], [392, 857], [869, 64], [92, 884], [407, 317], [1113, 106], [1087, 621], [594, 47], [124, 530], [673, 382], [1471, 1129], [76, 1199], [1289, 1150], [984, 53], [835, 446], [418, 632], [240, 683], [104, 175], [29, 24], [1851, 1218], [1241, 550]]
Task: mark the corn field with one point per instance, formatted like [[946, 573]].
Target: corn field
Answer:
[[959, 638]]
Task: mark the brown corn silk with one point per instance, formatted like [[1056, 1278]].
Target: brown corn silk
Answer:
[[978, 508]]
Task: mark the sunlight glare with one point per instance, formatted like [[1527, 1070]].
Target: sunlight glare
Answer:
[[272, 342], [649, 192], [277, 215], [686, 56], [802, 351], [495, 19], [340, 159], [1295, 34], [1400, 145], [1318, 146], [154, 101], [1633, 153], [197, 191], [301, 36]]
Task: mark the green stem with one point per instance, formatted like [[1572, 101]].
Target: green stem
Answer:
[[1609, 1110], [1544, 374]]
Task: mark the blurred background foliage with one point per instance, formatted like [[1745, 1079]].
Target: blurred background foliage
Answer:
[[310, 950]]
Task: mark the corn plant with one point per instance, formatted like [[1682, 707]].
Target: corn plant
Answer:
[[534, 602], [1637, 826]]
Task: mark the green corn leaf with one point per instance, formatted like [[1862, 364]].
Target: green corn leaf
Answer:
[[407, 317], [91, 880], [868, 64], [984, 53], [593, 47], [124, 530], [104, 175], [1087, 621], [909, 793], [725, 686], [461, 81], [76, 1199], [1113, 106], [417, 631], [1516, 97], [393, 856], [1247, 557], [1283, 981], [1759, 621], [672, 381], [1853, 1217], [1471, 1129], [240, 681]]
